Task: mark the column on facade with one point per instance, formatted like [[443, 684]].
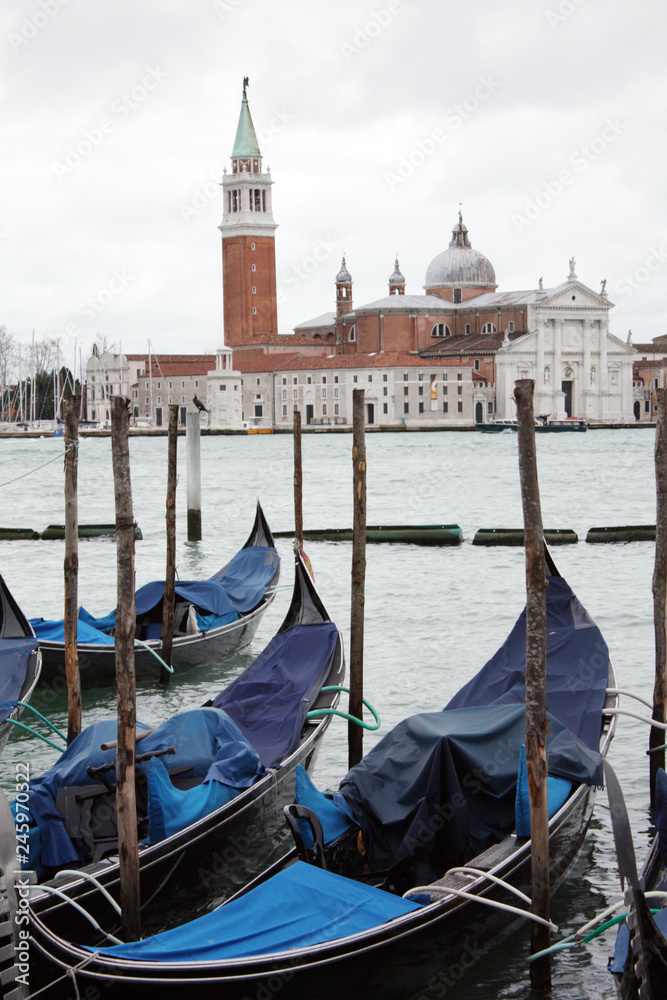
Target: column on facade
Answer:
[[539, 356], [557, 374], [587, 385], [604, 375]]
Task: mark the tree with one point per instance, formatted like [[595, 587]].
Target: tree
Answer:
[[8, 357]]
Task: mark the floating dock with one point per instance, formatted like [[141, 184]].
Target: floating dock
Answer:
[[623, 533], [407, 534], [514, 536]]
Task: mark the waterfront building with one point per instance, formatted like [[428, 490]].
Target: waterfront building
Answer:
[[559, 336]]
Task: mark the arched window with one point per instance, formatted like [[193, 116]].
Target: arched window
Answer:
[[489, 328], [441, 330], [352, 335]]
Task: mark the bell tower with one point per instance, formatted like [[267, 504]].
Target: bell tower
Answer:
[[248, 240]]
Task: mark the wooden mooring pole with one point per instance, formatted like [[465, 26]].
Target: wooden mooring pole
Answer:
[[126, 805], [170, 572], [356, 733], [193, 461], [71, 569], [657, 736], [298, 481], [536, 678]]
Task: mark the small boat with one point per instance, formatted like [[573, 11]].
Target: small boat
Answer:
[[412, 868], [639, 962], [20, 662], [542, 424], [412, 534], [213, 619], [57, 531], [211, 784], [498, 424]]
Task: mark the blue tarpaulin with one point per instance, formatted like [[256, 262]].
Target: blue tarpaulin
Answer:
[[269, 701], [14, 659], [440, 787], [577, 667], [300, 906], [206, 741], [218, 600]]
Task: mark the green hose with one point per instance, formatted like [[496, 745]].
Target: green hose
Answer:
[[316, 712]]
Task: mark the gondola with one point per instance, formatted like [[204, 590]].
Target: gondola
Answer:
[[20, 662], [639, 962], [335, 920], [409, 534], [200, 839], [213, 619]]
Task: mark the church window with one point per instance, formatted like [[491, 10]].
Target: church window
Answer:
[[421, 390], [385, 391], [457, 295], [264, 201], [158, 385], [352, 335], [324, 409], [405, 376], [460, 390], [258, 411], [354, 378], [336, 393], [510, 326], [182, 399], [460, 406], [405, 390], [147, 400], [441, 330], [295, 380], [444, 376], [476, 363], [336, 409], [257, 381], [406, 407], [257, 199], [159, 400], [335, 378], [296, 393], [284, 381], [647, 407], [421, 407], [420, 377], [445, 406], [444, 390], [254, 310], [489, 328], [655, 381], [254, 290], [196, 384], [222, 387], [324, 379], [370, 378], [384, 378], [252, 246], [236, 200], [467, 327], [171, 399], [385, 408], [459, 376], [254, 267], [309, 380], [284, 411], [324, 392], [284, 393]]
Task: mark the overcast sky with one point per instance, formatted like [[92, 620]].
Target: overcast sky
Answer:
[[545, 118]]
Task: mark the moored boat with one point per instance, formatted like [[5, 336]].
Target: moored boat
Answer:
[[20, 662], [213, 619], [207, 819], [412, 534], [422, 844]]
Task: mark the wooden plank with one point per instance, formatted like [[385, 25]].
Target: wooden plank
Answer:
[[536, 678], [126, 805], [170, 573], [298, 481], [659, 586], [71, 567], [355, 733]]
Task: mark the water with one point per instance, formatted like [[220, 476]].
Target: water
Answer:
[[433, 616]]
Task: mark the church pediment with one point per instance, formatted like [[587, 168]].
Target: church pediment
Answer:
[[574, 295]]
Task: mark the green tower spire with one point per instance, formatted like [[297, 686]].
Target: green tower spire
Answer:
[[245, 143]]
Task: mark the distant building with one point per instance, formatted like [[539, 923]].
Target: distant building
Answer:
[[557, 336]]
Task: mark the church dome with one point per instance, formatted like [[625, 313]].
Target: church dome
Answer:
[[343, 276], [460, 265]]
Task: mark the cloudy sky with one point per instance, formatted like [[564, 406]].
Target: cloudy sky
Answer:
[[544, 118]]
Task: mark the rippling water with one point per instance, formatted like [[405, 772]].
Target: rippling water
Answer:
[[433, 616]]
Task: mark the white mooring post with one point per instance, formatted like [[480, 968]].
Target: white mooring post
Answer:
[[193, 460]]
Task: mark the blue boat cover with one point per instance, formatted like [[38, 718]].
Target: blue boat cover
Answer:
[[440, 787], [661, 812], [14, 658], [621, 948], [299, 907], [206, 741], [558, 790], [86, 632], [577, 667], [334, 821], [218, 600], [269, 701]]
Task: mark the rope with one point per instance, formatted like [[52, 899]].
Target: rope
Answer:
[[33, 732], [37, 468], [316, 712]]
